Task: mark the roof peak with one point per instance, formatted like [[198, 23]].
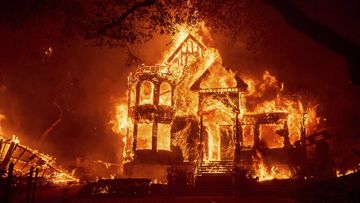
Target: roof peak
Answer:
[[177, 50]]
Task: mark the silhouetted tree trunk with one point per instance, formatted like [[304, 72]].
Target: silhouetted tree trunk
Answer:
[[321, 34]]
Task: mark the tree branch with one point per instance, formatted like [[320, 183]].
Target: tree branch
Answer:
[[132, 58], [45, 134], [123, 16], [321, 34]]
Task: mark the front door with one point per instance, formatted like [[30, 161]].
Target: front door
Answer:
[[226, 142]]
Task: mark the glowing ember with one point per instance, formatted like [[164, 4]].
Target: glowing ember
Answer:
[[15, 139], [340, 173], [264, 172]]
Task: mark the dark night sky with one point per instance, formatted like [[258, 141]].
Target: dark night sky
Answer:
[[88, 79]]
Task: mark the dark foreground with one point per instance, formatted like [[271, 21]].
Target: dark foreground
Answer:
[[341, 189], [70, 195]]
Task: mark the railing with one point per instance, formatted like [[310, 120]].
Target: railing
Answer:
[[155, 69], [219, 90], [198, 164], [148, 69]]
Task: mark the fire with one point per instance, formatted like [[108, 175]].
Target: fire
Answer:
[[122, 122], [15, 139], [62, 178], [275, 172], [189, 64], [277, 101], [264, 172], [182, 32], [347, 172], [2, 117], [122, 125], [23, 157], [11, 148]]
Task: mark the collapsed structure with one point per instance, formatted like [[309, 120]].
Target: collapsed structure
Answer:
[[191, 111], [24, 158]]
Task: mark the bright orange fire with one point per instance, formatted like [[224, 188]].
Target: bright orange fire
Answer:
[[266, 172], [217, 115], [11, 148], [14, 152]]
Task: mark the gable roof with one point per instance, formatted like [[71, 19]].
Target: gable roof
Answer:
[[178, 49], [240, 84]]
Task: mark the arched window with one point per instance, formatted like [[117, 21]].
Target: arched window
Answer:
[[132, 96], [165, 94], [146, 92]]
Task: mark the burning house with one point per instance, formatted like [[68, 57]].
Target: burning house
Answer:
[[193, 112]]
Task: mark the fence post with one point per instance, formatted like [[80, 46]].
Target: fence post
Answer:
[[35, 185], [8, 183], [29, 185]]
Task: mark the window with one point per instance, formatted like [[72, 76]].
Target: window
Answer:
[[165, 94], [146, 92], [163, 138], [144, 136]]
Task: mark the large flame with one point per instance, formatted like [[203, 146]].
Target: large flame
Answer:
[[264, 172], [11, 148], [265, 95]]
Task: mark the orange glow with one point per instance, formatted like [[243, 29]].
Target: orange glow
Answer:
[[265, 172], [214, 81], [2, 117], [122, 122], [216, 114], [146, 92], [165, 94], [163, 139], [347, 172], [132, 96], [144, 136], [46, 164], [189, 62], [296, 114], [268, 135]]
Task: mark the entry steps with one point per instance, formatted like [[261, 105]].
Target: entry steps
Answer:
[[215, 168], [214, 178]]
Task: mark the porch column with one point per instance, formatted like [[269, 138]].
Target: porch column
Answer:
[[135, 131], [155, 118], [154, 135], [238, 138], [201, 137], [137, 95], [256, 135]]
